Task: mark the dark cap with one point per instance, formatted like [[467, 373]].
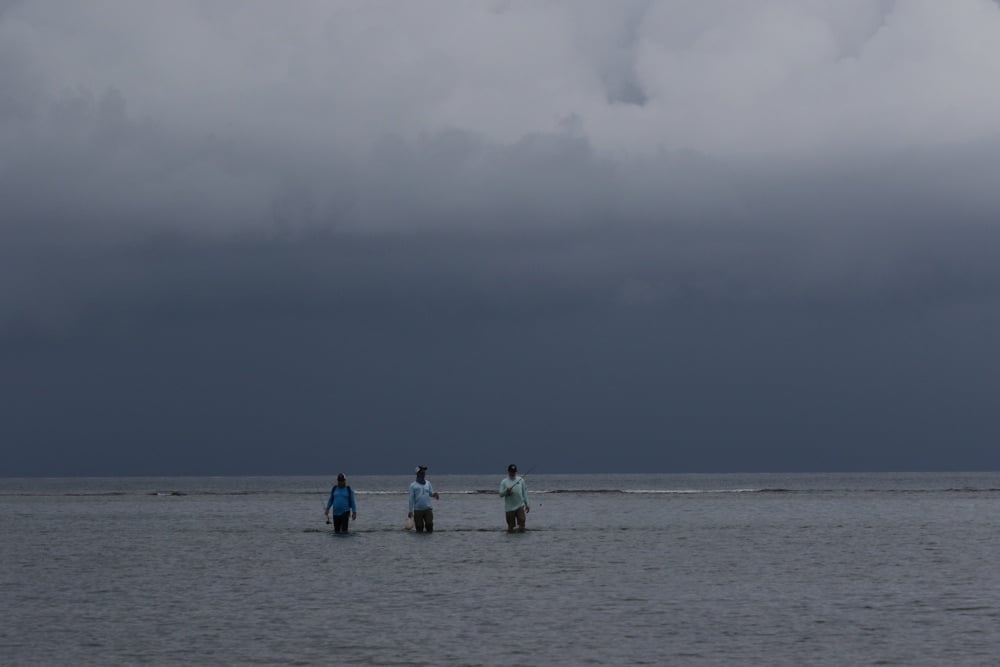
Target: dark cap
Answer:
[[341, 476], [512, 468], [420, 469]]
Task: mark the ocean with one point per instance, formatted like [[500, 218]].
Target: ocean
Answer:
[[648, 569]]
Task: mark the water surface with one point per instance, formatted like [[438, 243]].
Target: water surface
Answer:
[[615, 569]]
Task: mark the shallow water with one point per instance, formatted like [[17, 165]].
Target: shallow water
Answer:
[[615, 569]]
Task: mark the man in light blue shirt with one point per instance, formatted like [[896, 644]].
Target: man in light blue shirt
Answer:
[[421, 511], [515, 499]]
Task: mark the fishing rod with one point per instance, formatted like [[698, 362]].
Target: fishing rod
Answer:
[[520, 479]]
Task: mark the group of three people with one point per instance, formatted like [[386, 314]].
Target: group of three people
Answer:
[[512, 489]]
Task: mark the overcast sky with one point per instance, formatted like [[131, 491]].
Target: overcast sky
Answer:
[[249, 237]]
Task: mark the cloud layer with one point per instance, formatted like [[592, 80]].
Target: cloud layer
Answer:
[[219, 116], [720, 77]]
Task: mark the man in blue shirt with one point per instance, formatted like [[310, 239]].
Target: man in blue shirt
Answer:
[[342, 502], [421, 492]]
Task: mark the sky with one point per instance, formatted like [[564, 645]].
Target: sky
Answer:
[[244, 237]]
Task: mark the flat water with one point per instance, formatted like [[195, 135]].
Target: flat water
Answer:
[[881, 569]]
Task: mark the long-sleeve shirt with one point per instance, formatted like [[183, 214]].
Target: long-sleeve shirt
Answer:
[[342, 500], [518, 495], [420, 495]]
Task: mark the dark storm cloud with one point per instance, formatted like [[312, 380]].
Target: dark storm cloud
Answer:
[[546, 211], [659, 235]]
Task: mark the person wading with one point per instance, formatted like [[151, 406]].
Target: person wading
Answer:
[[420, 508], [515, 499], [342, 502]]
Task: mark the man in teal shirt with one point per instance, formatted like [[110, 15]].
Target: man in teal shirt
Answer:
[[515, 499]]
